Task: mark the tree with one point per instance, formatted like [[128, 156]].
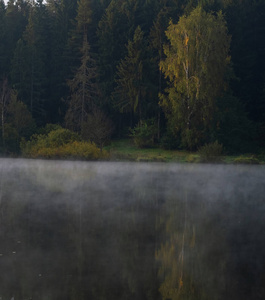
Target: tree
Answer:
[[84, 90], [4, 99], [19, 123], [81, 23], [196, 62], [16, 15], [29, 66], [112, 38], [130, 92], [16, 120], [2, 38], [246, 21], [97, 128], [60, 17]]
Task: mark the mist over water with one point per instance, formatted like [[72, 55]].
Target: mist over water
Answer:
[[90, 230]]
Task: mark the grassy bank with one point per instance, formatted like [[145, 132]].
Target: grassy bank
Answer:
[[125, 150]]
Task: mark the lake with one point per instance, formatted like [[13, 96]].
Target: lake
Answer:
[[103, 230]]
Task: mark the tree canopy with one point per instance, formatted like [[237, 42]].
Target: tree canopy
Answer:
[[196, 62]]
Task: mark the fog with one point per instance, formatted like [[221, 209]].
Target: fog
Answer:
[[102, 230]]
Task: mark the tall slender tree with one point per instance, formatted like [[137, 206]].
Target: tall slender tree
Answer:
[[4, 99], [112, 38], [84, 91], [196, 63], [29, 67], [130, 93], [2, 38]]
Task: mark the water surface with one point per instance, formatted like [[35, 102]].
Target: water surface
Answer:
[[90, 230]]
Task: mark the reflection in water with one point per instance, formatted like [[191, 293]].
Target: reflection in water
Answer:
[[78, 230]]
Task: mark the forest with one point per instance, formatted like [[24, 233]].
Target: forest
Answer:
[[178, 74]]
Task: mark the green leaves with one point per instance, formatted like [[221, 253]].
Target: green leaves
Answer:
[[195, 64]]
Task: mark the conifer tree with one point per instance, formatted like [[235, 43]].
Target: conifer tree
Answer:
[[2, 38], [84, 91], [130, 93], [30, 63], [15, 20], [60, 17], [4, 99], [112, 38]]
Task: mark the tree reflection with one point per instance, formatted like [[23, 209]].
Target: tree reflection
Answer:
[[192, 256]]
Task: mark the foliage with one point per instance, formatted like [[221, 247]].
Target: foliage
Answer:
[[29, 71], [11, 138], [233, 127], [130, 91], [195, 64], [211, 152], [84, 90], [144, 134], [19, 117], [48, 128], [61, 143], [98, 128], [53, 139], [72, 150], [124, 57], [16, 122]]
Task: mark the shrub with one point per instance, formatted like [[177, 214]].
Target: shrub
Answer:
[[61, 137], [73, 150], [61, 143], [211, 152], [144, 134]]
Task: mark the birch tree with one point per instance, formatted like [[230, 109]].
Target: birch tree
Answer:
[[197, 57]]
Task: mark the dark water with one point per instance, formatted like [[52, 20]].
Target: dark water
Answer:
[[78, 230]]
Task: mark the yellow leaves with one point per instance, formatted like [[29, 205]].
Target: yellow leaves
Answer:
[[186, 39], [76, 149]]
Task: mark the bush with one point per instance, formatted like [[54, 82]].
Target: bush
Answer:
[[144, 134], [211, 152], [61, 143]]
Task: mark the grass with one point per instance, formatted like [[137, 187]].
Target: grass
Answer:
[[125, 150]]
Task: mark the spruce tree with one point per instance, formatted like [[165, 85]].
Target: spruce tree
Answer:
[[29, 71], [2, 38], [130, 93], [84, 91], [112, 38]]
